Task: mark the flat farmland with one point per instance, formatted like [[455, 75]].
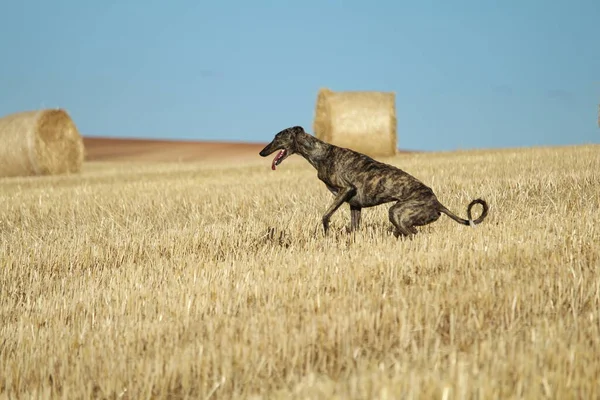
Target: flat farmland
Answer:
[[211, 278]]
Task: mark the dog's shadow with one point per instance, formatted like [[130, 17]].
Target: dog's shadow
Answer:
[[274, 236]]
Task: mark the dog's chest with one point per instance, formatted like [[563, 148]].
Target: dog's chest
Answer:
[[330, 183], [331, 186], [332, 179]]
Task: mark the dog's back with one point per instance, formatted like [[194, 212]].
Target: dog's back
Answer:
[[375, 181]]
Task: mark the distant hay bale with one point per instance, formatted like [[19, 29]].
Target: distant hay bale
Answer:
[[43, 142], [364, 121]]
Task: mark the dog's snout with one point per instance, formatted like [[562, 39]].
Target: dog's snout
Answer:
[[265, 152]]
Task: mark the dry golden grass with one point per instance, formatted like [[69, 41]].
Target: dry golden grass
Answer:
[[190, 281]]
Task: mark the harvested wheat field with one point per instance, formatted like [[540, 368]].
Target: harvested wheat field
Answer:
[[190, 280]]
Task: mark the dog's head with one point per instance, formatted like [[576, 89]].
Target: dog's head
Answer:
[[286, 142]]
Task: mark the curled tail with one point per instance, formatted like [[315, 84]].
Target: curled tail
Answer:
[[470, 221]]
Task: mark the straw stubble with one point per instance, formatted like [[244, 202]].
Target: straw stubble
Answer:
[[178, 281]]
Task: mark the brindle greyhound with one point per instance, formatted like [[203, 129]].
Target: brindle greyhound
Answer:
[[363, 182]]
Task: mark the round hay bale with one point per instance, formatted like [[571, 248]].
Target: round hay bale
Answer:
[[364, 121], [44, 142]]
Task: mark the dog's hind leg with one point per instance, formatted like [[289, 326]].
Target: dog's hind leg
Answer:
[[398, 217], [355, 217], [405, 216], [342, 196]]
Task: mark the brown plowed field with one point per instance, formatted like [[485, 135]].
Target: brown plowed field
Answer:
[[109, 149], [112, 149]]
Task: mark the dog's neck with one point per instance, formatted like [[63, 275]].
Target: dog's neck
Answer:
[[312, 149]]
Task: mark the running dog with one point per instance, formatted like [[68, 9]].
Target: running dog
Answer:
[[362, 182]]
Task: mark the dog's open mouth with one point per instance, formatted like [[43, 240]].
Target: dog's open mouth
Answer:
[[278, 159]]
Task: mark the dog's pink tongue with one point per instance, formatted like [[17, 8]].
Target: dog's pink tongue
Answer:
[[277, 157]]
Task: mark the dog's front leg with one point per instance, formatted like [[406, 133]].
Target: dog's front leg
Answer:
[[354, 217], [342, 196]]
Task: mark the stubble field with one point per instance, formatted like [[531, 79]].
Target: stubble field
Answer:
[[145, 280]]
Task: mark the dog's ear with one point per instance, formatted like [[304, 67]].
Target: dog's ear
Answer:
[[297, 129]]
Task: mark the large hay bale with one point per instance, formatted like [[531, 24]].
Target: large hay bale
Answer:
[[44, 142], [363, 121]]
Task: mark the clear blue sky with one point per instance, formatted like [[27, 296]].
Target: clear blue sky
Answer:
[[467, 74]]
